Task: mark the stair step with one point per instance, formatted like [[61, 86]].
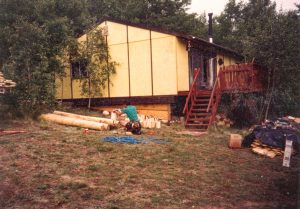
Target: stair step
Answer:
[[196, 125], [200, 109], [199, 119], [197, 129], [201, 100], [200, 105], [202, 97], [200, 114]]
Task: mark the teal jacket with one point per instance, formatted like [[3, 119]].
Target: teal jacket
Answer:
[[131, 113]]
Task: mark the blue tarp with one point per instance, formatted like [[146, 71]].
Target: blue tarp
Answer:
[[132, 140]]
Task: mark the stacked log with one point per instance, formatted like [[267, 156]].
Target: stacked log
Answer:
[[88, 118], [65, 120]]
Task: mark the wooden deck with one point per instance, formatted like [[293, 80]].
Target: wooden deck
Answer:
[[241, 78], [201, 105]]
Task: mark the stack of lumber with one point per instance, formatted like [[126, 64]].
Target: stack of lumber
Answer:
[[262, 149], [6, 83], [82, 121]]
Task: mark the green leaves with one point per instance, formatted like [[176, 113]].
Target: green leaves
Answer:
[[99, 67], [271, 38]]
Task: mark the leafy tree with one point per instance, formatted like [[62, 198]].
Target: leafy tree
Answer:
[[32, 41], [258, 31], [93, 55]]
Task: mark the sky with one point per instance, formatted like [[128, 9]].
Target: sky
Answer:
[[217, 6]]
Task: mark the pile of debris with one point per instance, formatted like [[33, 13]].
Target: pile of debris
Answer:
[[222, 120], [5, 84], [270, 138]]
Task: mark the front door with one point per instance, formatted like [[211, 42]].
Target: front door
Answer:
[[208, 68], [196, 60]]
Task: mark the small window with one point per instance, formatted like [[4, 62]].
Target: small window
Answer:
[[79, 69]]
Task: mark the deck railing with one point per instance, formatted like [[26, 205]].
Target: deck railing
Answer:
[[241, 77]]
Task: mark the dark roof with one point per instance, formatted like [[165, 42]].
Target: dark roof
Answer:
[[177, 34]]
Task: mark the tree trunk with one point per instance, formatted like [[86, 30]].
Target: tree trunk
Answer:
[[90, 98]]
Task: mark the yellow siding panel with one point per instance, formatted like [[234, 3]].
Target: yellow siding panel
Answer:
[[228, 60], [182, 66], [140, 68], [59, 94], [117, 33], [138, 34], [164, 66], [162, 111], [120, 81], [155, 35], [63, 89], [77, 90]]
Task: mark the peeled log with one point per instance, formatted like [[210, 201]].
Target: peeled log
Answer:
[[74, 122], [89, 118]]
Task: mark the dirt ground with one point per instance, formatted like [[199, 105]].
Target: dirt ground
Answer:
[[54, 166]]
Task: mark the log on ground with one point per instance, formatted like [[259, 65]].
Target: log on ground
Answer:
[[88, 118], [63, 120]]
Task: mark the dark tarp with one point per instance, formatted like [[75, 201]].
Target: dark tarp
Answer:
[[275, 133]]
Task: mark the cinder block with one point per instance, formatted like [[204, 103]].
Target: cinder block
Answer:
[[235, 141]]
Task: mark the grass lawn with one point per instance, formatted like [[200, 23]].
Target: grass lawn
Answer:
[[55, 166]]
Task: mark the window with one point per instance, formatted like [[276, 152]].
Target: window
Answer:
[[79, 69]]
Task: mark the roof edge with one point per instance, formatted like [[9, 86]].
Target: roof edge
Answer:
[[177, 34]]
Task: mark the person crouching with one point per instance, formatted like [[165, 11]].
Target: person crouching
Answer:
[[134, 126]]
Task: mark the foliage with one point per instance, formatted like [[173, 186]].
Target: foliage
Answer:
[[258, 31], [34, 34], [99, 67], [167, 14], [31, 44]]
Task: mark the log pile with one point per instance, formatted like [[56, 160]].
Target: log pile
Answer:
[[97, 123], [5, 84], [88, 118], [82, 121]]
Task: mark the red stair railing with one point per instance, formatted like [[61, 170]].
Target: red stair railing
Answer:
[[215, 97], [240, 78], [193, 92]]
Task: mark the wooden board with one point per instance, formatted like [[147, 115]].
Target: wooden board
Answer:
[[161, 111]]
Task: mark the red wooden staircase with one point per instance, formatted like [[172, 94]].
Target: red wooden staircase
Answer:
[[198, 117], [201, 105]]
